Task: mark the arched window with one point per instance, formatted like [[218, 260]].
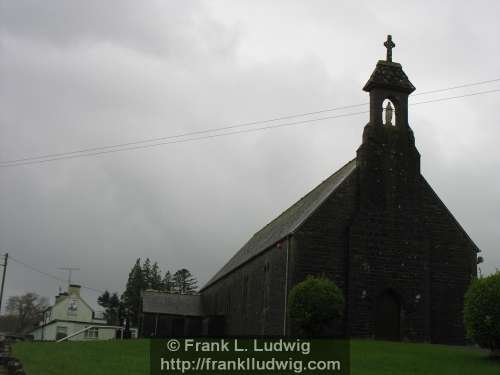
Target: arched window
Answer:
[[388, 112]]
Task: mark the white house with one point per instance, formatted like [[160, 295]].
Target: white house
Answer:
[[71, 314]]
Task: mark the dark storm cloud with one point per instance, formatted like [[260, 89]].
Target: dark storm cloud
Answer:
[[84, 74]]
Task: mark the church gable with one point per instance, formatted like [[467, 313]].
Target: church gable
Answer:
[[452, 264], [434, 203]]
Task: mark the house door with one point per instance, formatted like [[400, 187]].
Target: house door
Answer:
[[388, 317]]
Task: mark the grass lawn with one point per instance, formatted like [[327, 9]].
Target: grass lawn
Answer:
[[84, 358], [368, 357], [384, 358]]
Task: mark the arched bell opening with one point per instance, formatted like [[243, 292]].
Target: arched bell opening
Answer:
[[389, 112]]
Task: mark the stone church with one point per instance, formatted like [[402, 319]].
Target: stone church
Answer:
[[375, 227]]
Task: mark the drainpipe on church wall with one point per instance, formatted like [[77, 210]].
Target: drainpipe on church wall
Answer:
[[288, 242]]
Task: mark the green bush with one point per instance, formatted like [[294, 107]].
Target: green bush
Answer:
[[482, 312], [314, 303]]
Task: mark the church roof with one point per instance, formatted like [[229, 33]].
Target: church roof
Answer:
[[389, 75], [171, 303], [286, 223]]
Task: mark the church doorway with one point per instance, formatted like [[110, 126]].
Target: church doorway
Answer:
[[388, 317]]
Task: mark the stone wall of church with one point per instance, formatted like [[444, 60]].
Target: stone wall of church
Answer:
[[388, 282], [389, 257], [251, 298], [418, 254], [452, 268], [320, 246]]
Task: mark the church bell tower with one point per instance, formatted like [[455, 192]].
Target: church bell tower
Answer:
[[388, 160], [388, 250]]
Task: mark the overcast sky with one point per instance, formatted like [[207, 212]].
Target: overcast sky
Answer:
[[83, 74]]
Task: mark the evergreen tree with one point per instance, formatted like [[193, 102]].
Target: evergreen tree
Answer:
[[112, 307], [185, 282], [114, 314], [132, 296], [155, 282], [103, 299], [168, 282], [146, 272]]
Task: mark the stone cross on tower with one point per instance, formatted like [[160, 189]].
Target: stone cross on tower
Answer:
[[389, 45]]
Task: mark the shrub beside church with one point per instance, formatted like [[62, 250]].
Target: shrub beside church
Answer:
[[482, 312]]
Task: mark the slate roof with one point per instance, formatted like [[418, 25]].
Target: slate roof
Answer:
[[391, 76], [171, 303], [286, 223]]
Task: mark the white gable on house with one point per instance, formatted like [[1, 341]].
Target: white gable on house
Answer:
[[70, 314]]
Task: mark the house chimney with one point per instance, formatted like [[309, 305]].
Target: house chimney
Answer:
[[74, 289]]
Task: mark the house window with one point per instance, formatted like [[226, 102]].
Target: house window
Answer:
[[48, 316], [73, 307], [92, 333], [61, 332]]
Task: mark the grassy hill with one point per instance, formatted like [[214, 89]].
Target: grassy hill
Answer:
[[368, 357]]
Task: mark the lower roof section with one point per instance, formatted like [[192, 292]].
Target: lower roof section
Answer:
[[157, 302]]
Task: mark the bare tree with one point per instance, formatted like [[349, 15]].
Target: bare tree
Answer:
[[28, 310]]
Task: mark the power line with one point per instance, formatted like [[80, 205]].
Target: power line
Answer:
[[54, 155], [149, 140], [138, 144], [49, 274], [457, 87], [185, 140], [182, 135], [456, 97]]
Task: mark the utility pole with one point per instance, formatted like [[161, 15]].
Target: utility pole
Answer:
[[70, 270], [4, 265]]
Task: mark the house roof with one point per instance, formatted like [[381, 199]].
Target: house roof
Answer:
[[286, 223], [171, 303], [91, 323]]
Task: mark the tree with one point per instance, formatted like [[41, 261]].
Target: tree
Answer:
[[155, 282], [146, 272], [103, 299], [168, 282], [314, 303], [184, 282], [113, 307], [482, 312], [132, 296], [28, 310]]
